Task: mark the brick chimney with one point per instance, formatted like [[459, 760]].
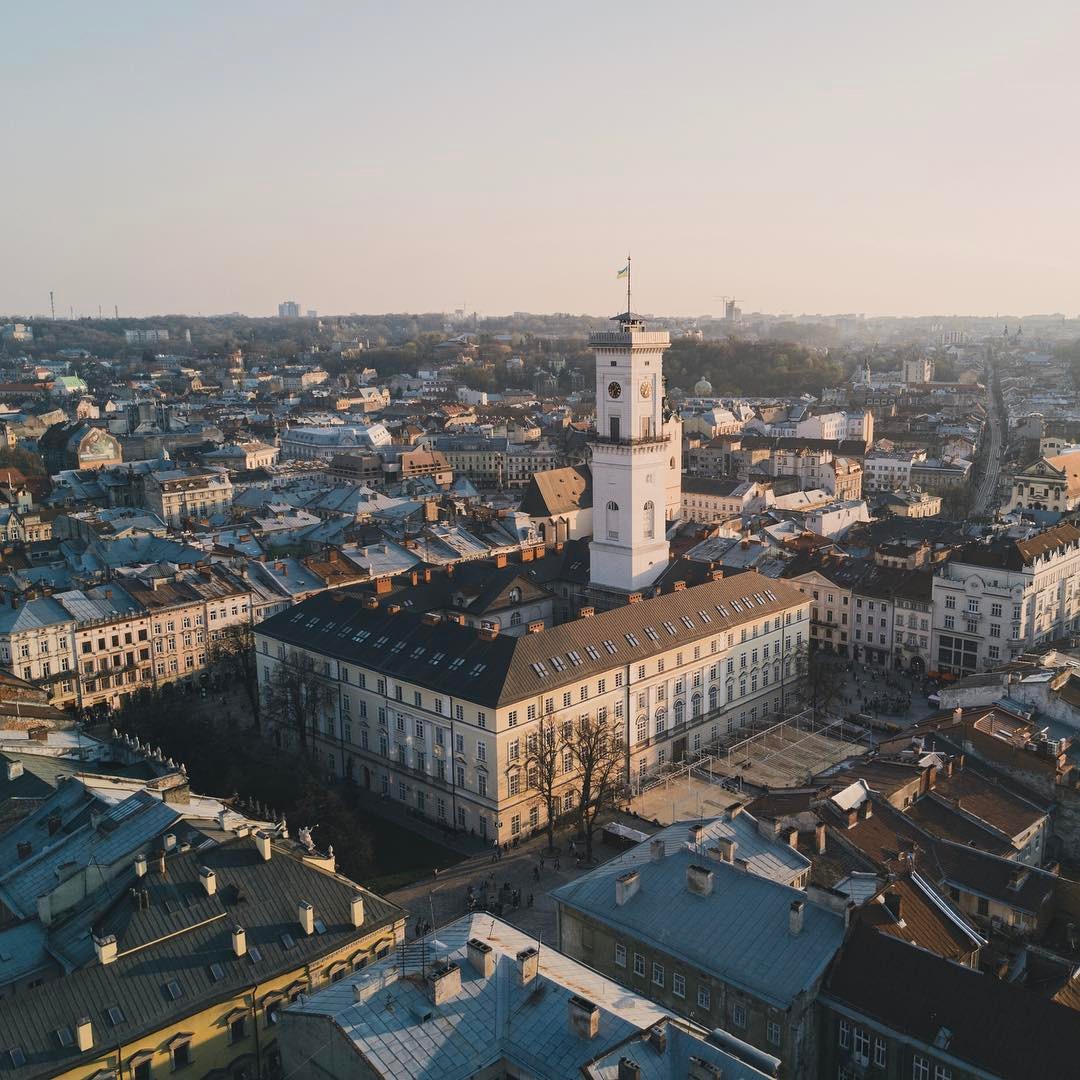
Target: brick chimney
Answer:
[[626, 887], [481, 958], [796, 914], [699, 880], [584, 1017], [528, 965]]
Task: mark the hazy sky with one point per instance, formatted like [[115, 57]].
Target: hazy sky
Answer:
[[809, 157]]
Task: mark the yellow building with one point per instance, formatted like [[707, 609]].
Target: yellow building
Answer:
[[190, 964]]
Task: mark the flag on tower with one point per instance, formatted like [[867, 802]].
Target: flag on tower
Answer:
[[624, 272]]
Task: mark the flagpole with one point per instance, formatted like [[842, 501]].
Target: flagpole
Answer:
[[628, 308]]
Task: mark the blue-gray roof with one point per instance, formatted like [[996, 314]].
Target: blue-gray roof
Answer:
[[739, 932], [490, 1019]]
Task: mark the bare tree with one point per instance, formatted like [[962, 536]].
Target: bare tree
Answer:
[[597, 753], [233, 654], [825, 677], [296, 695], [542, 753]]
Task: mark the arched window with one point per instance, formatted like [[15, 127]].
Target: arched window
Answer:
[[695, 705], [613, 521], [713, 697], [650, 520], [642, 728], [515, 619], [661, 721], [680, 711]]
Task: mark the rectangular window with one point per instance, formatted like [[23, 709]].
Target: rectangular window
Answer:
[[844, 1037], [880, 1053], [920, 1068], [704, 997], [639, 964], [772, 1033], [620, 954], [658, 976], [738, 1015], [678, 984], [861, 1047]]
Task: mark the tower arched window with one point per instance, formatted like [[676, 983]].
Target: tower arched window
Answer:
[[649, 510], [613, 520]]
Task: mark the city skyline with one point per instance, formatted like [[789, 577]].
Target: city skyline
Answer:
[[421, 159]]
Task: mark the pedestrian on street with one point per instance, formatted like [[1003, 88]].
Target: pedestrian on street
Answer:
[[556, 862]]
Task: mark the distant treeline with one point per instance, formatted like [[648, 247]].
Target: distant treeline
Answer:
[[751, 367]]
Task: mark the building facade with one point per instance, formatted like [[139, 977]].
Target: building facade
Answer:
[[443, 717]]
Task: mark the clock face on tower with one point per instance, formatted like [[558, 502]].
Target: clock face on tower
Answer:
[[614, 390], [646, 388]]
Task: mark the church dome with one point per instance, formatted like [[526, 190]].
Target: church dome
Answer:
[[702, 388]]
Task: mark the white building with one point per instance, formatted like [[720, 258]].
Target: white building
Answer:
[[993, 600], [636, 457], [323, 443], [889, 470]]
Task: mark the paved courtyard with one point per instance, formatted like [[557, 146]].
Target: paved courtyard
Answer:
[[445, 896]]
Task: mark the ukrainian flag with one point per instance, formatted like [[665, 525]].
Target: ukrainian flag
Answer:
[[624, 272]]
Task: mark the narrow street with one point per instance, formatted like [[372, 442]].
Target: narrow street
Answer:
[[995, 426]]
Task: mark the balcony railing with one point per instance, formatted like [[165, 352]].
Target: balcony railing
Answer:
[[648, 440]]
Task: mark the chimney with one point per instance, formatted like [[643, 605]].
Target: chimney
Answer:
[[159, 863], [170, 841], [679, 586], [431, 618], [489, 632], [444, 982], [427, 575], [372, 602], [586, 612], [852, 817], [84, 1034], [866, 810], [793, 839], [393, 609], [656, 850], [819, 837], [208, 879], [725, 849], [239, 941], [629, 1070], [23, 848], [536, 627], [700, 1069], [105, 948], [455, 617], [481, 958], [44, 909], [626, 887], [140, 866], [38, 733], [693, 835], [262, 842], [634, 598], [699, 880], [356, 911], [528, 964], [895, 904], [500, 560], [14, 770], [958, 715], [305, 916], [414, 578], [795, 916], [584, 1017], [382, 586], [658, 1038]]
